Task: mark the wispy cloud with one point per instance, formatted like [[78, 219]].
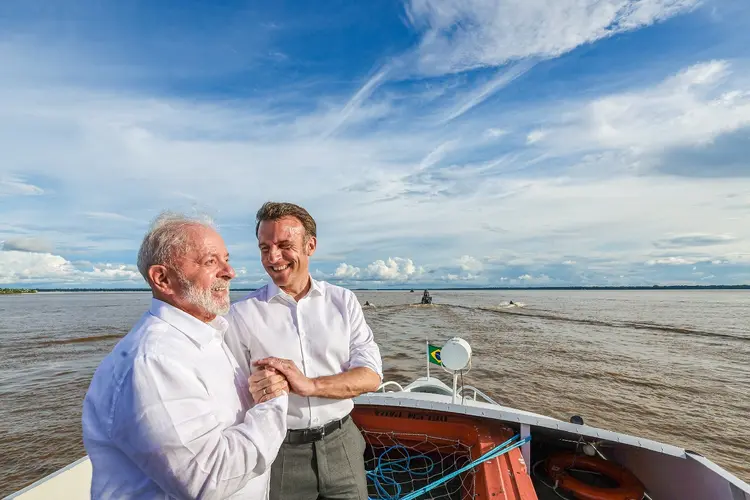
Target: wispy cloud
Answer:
[[38, 245], [535, 136], [673, 261], [14, 186], [436, 155], [355, 103], [503, 78], [461, 35], [695, 240], [109, 216], [692, 107]]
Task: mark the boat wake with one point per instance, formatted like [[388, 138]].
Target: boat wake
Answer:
[[510, 304], [519, 309], [614, 324], [81, 340]]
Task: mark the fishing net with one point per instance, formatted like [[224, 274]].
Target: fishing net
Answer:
[[399, 463]]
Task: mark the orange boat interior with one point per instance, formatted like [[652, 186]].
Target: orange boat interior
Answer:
[[448, 442], [414, 448]]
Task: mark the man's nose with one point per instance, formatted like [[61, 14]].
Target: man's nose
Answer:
[[274, 254], [227, 271]]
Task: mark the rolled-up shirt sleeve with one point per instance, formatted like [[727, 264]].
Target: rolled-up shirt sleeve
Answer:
[[363, 350], [166, 423]]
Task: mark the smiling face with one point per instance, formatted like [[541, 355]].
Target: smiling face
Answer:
[[285, 253], [198, 280]]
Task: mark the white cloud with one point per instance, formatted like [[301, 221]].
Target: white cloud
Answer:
[[469, 263], [464, 34], [460, 277], [689, 108], [113, 272], [535, 136], [673, 261], [526, 280], [393, 269], [15, 186], [692, 107], [495, 132], [32, 267], [19, 267], [109, 216], [346, 271], [436, 155]]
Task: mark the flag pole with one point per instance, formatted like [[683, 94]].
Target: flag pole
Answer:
[[427, 342]]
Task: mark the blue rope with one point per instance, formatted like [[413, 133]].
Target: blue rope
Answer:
[[376, 476], [382, 475]]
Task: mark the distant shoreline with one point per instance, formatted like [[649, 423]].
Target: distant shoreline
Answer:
[[16, 291], [420, 288]]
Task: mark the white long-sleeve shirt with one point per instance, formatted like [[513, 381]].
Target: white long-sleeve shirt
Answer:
[[168, 415], [325, 333]]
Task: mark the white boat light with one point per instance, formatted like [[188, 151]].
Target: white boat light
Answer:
[[456, 354]]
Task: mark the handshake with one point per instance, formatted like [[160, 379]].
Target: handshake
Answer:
[[275, 377]]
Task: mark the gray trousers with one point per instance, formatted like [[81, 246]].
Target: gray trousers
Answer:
[[330, 469]]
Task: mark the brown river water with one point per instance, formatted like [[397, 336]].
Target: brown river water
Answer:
[[668, 365]]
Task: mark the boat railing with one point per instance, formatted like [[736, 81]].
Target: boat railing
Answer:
[[476, 392], [389, 384], [473, 391]]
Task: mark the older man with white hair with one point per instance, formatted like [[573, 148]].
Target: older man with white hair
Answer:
[[169, 413]]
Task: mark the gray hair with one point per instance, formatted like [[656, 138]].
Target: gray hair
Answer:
[[168, 239]]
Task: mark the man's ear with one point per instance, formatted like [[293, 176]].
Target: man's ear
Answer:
[[311, 245], [159, 277]]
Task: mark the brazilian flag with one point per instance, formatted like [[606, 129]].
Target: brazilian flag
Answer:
[[434, 354]]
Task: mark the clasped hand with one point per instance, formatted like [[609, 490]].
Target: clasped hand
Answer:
[[266, 384], [297, 382]]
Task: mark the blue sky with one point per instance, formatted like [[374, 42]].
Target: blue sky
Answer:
[[437, 143]]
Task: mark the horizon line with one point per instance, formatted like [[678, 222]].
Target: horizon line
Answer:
[[413, 289]]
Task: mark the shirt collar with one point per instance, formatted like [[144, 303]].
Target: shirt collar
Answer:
[[273, 291], [199, 332]]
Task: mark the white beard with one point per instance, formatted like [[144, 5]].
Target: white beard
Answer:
[[203, 298]]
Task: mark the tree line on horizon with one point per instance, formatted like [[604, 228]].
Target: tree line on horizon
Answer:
[[411, 289]]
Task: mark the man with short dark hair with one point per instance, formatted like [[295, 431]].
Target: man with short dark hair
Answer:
[[168, 413], [314, 333]]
